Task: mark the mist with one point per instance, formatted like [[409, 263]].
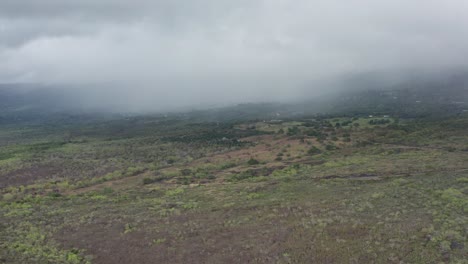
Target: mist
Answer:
[[152, 55]]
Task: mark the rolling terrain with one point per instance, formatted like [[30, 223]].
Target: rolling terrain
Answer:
[[168, 189]]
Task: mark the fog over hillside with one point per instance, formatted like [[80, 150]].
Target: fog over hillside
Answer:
[[153, 55]]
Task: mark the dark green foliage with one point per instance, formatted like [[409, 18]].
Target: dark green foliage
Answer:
[[154, 179], [185, 180], [330, 147], [451, 149], [5, 156], [186, 172], [148, 180], [312, 133], [216, 136], [54, 194], [314, 151], [228, 165], [240, 176], [379, 121], [253, 161], [292, 131], [211, 177], [346, 123]]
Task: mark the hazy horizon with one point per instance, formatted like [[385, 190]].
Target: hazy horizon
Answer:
[[150, 55]]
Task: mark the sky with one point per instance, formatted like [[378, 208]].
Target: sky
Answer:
[[146, 54]]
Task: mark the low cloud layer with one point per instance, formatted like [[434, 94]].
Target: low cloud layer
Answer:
[[169, 53]]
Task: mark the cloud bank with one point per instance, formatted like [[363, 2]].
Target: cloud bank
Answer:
[[168, 53]]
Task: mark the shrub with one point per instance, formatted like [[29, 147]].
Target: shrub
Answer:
[[227, 165], [54, 194], [253, 161], [379, 121], [186, 172], [240, 176], [293, 131], [185, 180], [147, 181], [8, 196], [314, 150], [132, 171], [330, 147], [450, 149], [150, 180]]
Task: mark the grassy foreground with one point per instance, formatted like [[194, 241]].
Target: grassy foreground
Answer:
[[316, 190]]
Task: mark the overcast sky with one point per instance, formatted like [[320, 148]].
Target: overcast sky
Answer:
[[174, 52]]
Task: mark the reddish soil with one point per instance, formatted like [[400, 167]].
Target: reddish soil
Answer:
[[204, 240], [29, 175]]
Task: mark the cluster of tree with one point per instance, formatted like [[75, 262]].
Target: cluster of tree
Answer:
[[379, 121], [344, 123], [213, 137]]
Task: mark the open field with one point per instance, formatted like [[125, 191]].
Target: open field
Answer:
[[166, 190]]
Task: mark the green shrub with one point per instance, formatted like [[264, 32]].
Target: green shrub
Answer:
[[186, 172], [253, 161], [54, 194], [150, 180], [314, 150], [147, 181], [330, 147], [240, 176]]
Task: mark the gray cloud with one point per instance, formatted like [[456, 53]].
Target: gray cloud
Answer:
[[174, 52]]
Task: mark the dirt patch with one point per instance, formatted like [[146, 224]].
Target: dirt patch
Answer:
[[265, 149], [208, 239], [118, 184], [350, 176], [29, 175]]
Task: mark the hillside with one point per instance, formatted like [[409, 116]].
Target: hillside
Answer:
[[168, 189]]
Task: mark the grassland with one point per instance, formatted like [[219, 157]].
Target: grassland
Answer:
[[168, 190]]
